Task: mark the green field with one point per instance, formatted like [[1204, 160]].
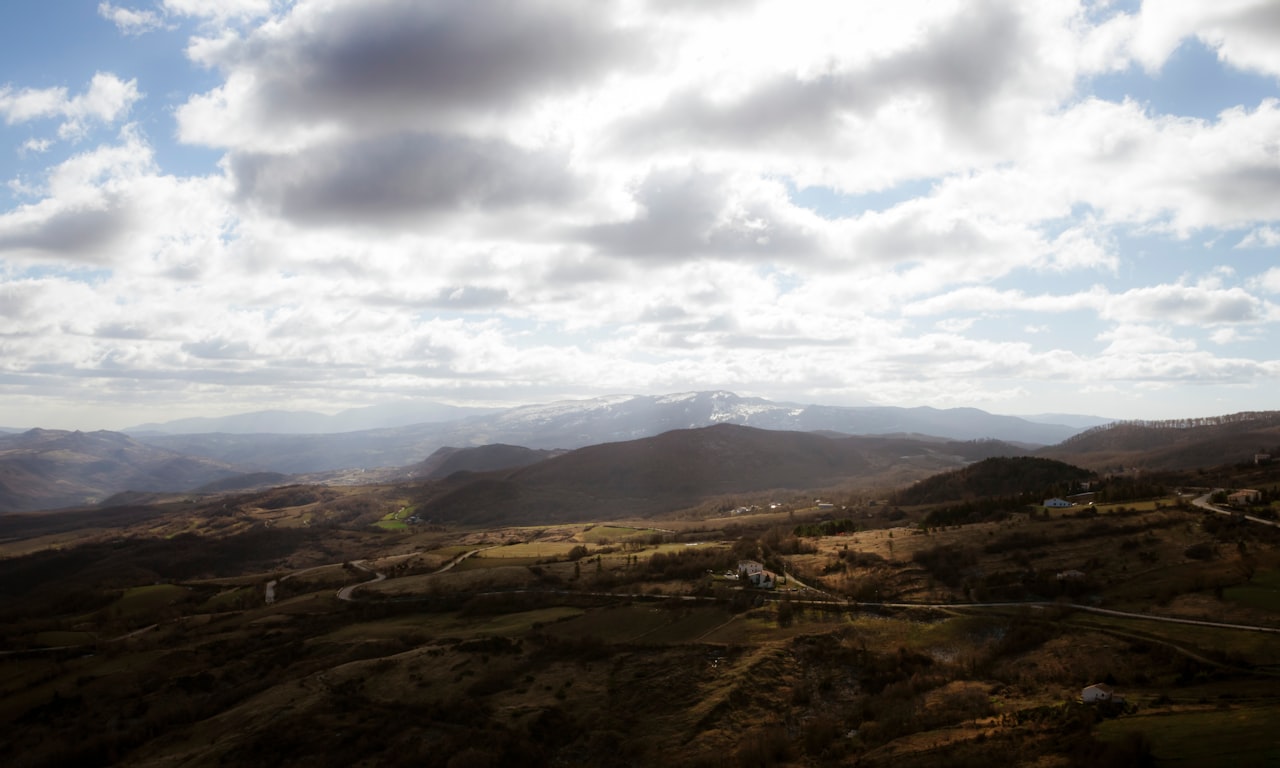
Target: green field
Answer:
[[451, 625], [145, 601], [1223, 737], [611, 533], [1262, 592], [536, 550]]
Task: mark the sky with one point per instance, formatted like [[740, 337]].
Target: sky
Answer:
[[211, 207]]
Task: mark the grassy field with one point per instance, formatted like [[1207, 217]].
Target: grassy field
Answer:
[[1230, 646], [1263, 592], [1229, 737], [441, 626], [145, 602], [610, 534]]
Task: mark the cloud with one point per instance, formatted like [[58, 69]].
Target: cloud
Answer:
[[1199, 305], [99, 209], [220, 11], [403, 179], [1270, 280], [130, 21], [508, 200], [386, 66], [960, 74], [682, 213], [1262, 237], [1245, 33], [107, 99]]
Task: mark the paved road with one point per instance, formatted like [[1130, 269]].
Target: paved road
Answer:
[[1203, 503], [346, 593], [449, 565]]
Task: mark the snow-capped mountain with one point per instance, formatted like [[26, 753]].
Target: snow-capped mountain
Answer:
[[573, 424]]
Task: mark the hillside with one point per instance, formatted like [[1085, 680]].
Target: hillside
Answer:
[[682, 467], [999, 477], [1173, 445], [485, 458], [43, 469]]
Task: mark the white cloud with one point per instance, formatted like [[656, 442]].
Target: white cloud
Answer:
[[1245, 33], [1262, 237], [130, 21], [1270, 280], [220, 11], [566, 197], [106, 100]]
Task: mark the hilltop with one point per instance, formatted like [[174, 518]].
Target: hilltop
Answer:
[[1173, 444]]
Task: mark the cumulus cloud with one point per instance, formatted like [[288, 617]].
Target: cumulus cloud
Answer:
[[106, 100], [220, 11], [682, 212], [1245, 33], [519, 199], [392, 65], [401, 179], [130, 21]]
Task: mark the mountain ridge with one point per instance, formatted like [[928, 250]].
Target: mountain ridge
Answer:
[[571, 424]]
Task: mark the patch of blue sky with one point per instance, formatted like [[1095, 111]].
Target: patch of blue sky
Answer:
[[832, 204], [86, 274], [63, 45], [1192, 83], [786, 281], [1098, 11]]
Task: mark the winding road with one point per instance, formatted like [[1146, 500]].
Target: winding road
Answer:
[[347, 593], [1203, 503]]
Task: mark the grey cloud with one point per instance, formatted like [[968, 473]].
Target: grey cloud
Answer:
[[462, 298], [683, 216], [219, 349], [1196, 308], [914, 237], [1246, 193], [406, 60], [81, 234], [403, 179]]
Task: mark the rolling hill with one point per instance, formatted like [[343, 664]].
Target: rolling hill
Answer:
[[1172, 445], [681, 467], [1002, 477], [43, 469]]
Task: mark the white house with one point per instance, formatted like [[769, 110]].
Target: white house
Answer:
[[1100, 692], [755, 574], [1056, 503], [1245, 497]]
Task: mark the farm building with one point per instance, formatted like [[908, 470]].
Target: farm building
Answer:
[[1246, 496], [1056, 503], [755, 574], [1100, 692]]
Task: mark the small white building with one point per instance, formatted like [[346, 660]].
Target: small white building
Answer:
[[1056, 503], [1098, 693], [1245, 497], [754, 574]]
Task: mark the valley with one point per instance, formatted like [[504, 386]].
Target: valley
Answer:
[[591, 607]]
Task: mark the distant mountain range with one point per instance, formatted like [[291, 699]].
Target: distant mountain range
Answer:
[[46, 469], [577, 423], [312, 423], [478, 475], [42, 469]]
